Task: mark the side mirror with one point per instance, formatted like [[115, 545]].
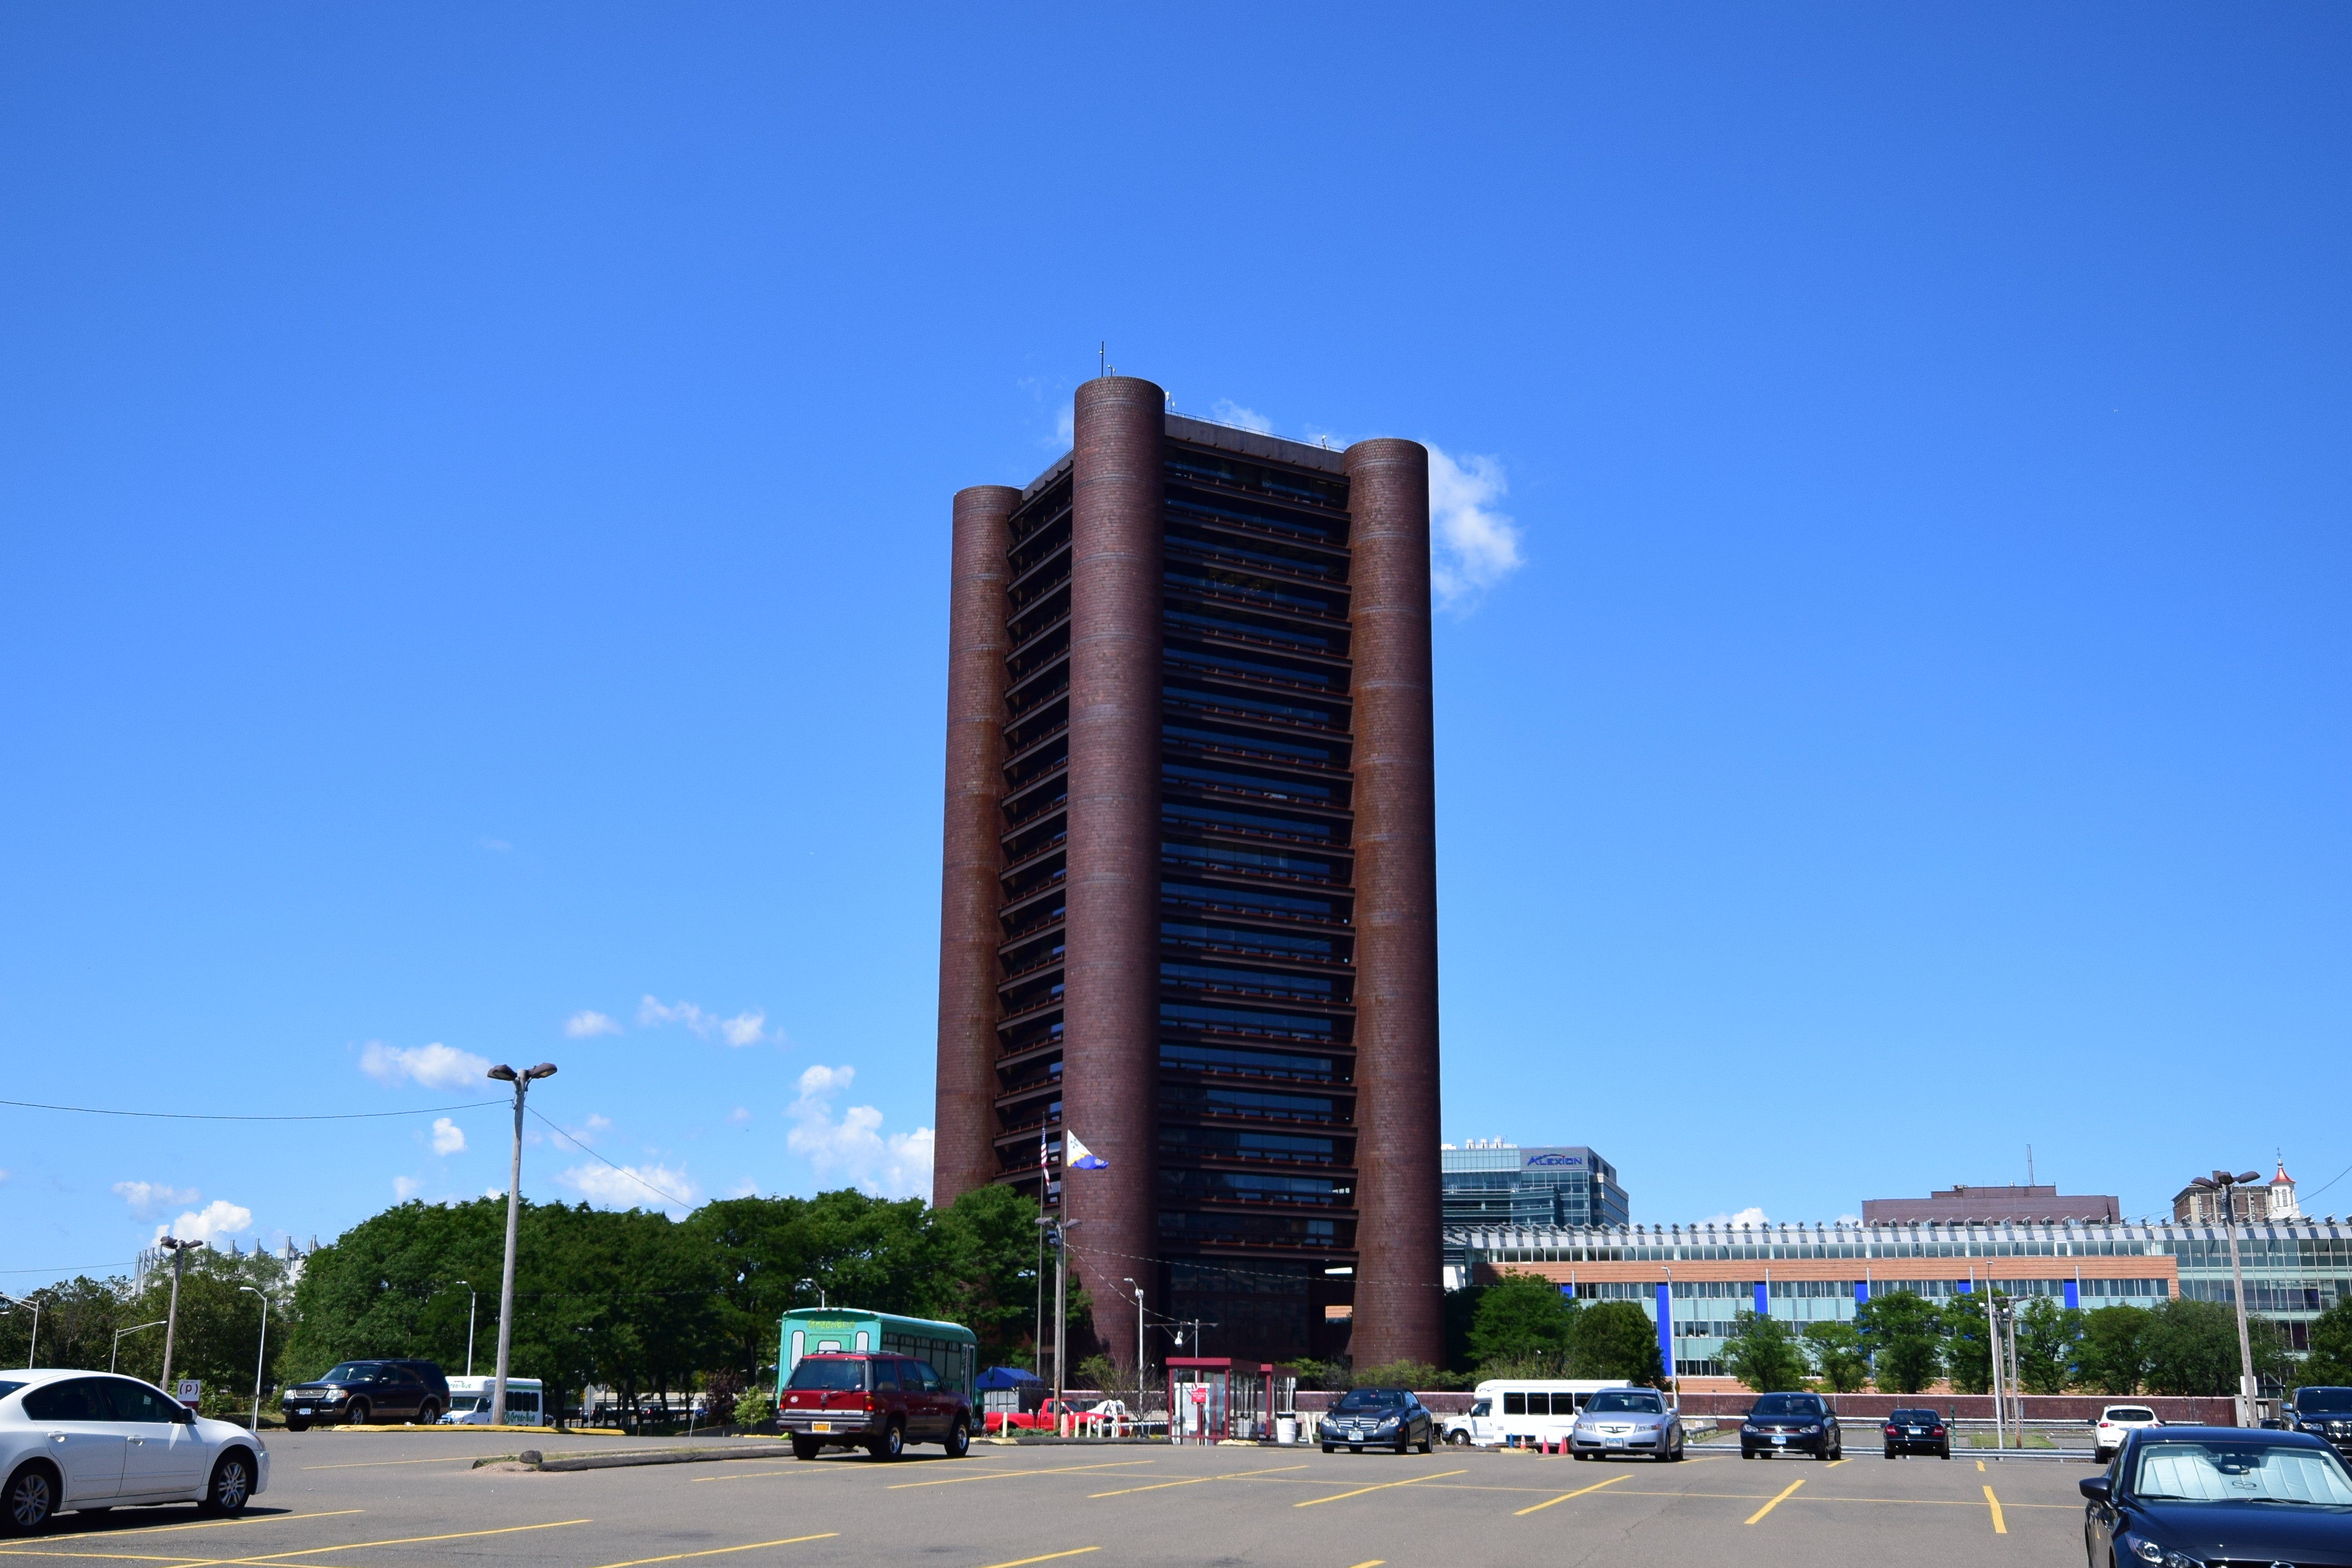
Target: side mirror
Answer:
[[183, 1416], [2094, 1487]]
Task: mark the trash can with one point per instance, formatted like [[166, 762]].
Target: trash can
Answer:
[[1285, 1430]]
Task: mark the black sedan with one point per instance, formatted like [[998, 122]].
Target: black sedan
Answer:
[[1377, 1419], [1916, 1432], [2324, 1412], [355, 1392], [2181, 1496], [1791, 1423]]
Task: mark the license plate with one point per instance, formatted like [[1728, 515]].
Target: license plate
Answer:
[[1916, 1432], [1614, 1442], [819, 1425], [1779, 1436], [305, 1410]]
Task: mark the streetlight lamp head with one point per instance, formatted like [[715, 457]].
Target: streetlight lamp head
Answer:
[[2247, 1176], [502, 1072], [544, 1069], [2207, 1183]]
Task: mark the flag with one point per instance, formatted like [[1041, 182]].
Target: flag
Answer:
[[1081, 1157]]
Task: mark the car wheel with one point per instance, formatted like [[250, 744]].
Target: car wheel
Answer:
[[805, 1448], [294, 1425], [958, 1439], [1355, 1448], [1457, 1440], [891, 1444], [1327, 1448], [30, 1500], [428, 1414], [231, 1487], [1427, 1445], [1947, 1450], [356, 1413]]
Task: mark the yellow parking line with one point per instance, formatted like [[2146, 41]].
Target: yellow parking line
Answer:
[[2000, 1525], [743, 1476], [1563, 1497], [1024, 1562], [1835, 1463], [222, 1523], [1777, 1501], [1979, 1467], [1196, 1481], [1360, 1492], [722, 1550], [404, 1541], [1372, 1562], [1010, 1475]]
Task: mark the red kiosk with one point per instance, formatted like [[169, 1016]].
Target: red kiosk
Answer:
[[1212, 1398]]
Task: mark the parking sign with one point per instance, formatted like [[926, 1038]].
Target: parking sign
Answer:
[[189, 1391]]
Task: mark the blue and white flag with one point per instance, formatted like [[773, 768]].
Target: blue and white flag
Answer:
[[1082, 1158]]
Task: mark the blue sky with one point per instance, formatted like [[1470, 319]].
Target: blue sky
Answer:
[[473, 505]]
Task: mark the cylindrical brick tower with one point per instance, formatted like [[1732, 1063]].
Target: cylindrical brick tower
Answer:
[[1400, 1312], [963, 1156], [1111, 976]]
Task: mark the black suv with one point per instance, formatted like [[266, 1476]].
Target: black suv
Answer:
[[1918, 1431], [358, 1391], [1784, 1423], [2324, 1412]]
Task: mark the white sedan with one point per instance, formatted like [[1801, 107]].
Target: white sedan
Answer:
[[89, 1441]]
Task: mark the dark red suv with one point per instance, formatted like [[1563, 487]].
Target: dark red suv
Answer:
[[878, 1402]]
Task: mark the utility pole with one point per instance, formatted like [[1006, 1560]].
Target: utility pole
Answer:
[[179, 1251], [1138, 1346], [2223, 1186], [521, 1081], [1992, 1331], [33, 1351]]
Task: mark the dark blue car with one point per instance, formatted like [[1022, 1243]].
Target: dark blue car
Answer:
[[2184, 1497]]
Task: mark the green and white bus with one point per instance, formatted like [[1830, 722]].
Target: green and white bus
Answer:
[[951, 1348]]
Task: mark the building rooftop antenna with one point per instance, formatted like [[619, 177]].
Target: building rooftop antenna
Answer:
[[1102, 358]]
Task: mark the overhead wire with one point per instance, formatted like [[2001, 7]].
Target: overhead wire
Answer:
[[200, 1117], [583, 1148]]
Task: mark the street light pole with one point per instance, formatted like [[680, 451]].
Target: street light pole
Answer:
[[179, 1251], [470, 1324], [261, 1354], [119, 1334], [1138, 1346], [33, 1350], [521, 1081], [2223, 1184]]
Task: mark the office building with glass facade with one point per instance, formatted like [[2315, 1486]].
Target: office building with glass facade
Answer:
[[1502, 1185], [1189, 913], [1706, 1274]]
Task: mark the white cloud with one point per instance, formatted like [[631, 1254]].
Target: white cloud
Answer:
[[627, 1187], [146, 1196], [215, 1220], [596, 1123], [1228, 411], [1753, 1216], [588, 1021], [1472, 546], [434, 1066], [747, 1187], [749, 1026], [404, 1187], [740, 1116], [897, 1165], [448, 1138]]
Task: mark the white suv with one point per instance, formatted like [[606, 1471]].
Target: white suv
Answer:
[[2107, 1428]]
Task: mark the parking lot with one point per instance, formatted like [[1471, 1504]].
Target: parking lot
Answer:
[[402, 1499]]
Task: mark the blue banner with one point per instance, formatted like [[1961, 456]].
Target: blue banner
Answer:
[[1861, 1291], [1763, 1300], [2074, 1295], [1667, 1329]]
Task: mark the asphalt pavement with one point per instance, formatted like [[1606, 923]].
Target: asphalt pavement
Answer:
[[392, 1498]]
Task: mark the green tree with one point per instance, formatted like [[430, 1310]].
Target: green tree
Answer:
[[1968, 1342], [2192, 1348], [2048, 1337], [1618, 1340], [1903, 1336], [2330, 1361], [983, 1269], [1763, 1353], [1836, 1352], [1461, 1312], [1524, 1322], [2112, 1356]]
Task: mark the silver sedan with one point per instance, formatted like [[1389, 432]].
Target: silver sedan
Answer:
[[1626, 1421]]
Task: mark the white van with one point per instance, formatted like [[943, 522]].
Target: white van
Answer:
[[1506, 1410], [469, 1402]]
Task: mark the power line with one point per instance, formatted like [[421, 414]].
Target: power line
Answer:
[[192, 1116], [625, 1170]]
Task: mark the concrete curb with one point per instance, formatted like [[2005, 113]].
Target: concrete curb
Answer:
[[540, 1461]]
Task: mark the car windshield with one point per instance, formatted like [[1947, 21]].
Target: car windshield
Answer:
[[1371, 1399], [2223, 1470], [828, 1374], [2312, 1400], [1622, 1399], [2130, 1413], [1787, 1405], [1483, 1407], [352, 1372]]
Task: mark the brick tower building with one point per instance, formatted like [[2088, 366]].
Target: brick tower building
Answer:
[[1189, 903]]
